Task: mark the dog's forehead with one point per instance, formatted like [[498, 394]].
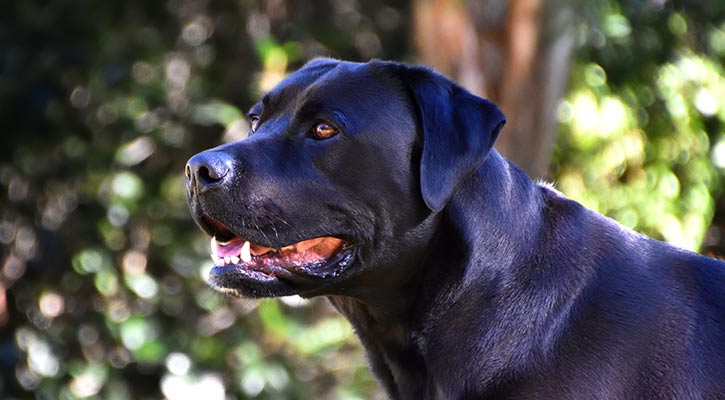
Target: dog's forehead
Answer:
[[303, 78], [319, 71], [323, 77]]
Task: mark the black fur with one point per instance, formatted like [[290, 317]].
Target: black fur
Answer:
[[468, 280]]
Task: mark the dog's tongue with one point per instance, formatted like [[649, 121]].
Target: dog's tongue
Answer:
[[227, 249], [235, 247]]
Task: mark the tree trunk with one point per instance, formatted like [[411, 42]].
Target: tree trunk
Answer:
[[515, 53]]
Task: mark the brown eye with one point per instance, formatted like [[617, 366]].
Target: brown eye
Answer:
[[254, 122], [323, 130]]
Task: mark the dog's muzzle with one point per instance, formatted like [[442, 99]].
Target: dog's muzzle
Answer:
[[210, 182], [206, 170]]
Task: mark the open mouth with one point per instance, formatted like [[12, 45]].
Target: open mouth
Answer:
[[322, 256]]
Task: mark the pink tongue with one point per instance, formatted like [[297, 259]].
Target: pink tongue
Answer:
[[230, 248]]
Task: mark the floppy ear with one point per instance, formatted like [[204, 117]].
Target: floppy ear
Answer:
[[458, 131]]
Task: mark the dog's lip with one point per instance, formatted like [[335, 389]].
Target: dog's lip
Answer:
[[215, 228], [295, 267], [317, 257], [239, 250]]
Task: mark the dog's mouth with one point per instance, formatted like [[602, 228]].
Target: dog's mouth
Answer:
[[320, 257]]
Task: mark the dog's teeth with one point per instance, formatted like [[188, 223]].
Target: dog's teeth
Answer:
[[227, 260], [235, 259], [213, 246], [218, 261], [246, 254]]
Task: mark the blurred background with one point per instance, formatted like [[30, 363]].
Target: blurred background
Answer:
[[102, 293]]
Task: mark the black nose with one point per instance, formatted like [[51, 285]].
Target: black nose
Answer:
[[207, 169]]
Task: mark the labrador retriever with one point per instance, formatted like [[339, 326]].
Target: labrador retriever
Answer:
[[376, 185]]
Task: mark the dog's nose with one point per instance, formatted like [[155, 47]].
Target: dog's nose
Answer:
[[207, 169]]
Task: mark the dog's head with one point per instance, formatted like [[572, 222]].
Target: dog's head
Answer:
[[344, 169]]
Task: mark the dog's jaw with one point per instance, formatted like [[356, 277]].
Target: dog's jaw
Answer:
[[254, 255], [322, 257]]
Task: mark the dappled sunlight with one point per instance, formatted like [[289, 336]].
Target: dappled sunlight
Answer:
[[647, 168]]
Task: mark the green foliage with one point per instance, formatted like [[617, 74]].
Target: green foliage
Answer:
[[642, 118]]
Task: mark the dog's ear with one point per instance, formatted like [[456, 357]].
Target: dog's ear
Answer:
[[458, 130]]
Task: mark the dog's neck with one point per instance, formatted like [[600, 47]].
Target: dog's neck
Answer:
[[492, 269]]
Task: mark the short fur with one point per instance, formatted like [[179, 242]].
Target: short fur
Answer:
[[469, 280]]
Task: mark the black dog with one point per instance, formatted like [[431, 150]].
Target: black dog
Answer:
[[376, 185]]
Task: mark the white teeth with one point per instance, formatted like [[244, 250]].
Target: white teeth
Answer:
[[246, 254], [218, 261]]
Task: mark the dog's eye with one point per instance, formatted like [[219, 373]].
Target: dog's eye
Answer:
[[254, 122], [323, 130]]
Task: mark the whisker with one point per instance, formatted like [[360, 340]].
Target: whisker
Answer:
[[276, 234], [299, 235], [262, 232]]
